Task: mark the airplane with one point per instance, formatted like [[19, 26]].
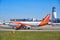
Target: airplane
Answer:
[[28, 25]]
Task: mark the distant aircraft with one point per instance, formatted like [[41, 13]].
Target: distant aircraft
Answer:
[[28, 25]]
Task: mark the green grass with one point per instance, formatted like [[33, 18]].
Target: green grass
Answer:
[[9, 35]]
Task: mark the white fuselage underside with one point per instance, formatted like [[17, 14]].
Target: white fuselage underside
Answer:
[[30, 23]]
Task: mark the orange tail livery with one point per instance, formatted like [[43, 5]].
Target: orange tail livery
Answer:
[[30, 24], [45, 20]]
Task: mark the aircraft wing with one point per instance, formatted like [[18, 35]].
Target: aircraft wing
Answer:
[[42, 22]]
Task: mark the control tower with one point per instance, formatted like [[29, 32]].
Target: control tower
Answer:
[[54, 14]]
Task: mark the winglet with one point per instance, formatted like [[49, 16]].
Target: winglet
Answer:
[[45, 20]]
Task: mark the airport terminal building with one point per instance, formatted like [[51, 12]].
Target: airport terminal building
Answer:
[[33, 19]]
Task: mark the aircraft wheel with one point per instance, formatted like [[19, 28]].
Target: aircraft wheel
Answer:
[[24, 27], [16, 29], [13, 27]]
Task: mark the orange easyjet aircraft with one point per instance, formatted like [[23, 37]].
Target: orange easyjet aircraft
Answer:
[[28, 25]]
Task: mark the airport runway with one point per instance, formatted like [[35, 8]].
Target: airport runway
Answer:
[[45, 28]]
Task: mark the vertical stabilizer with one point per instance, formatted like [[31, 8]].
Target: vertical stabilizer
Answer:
[[45, 20]]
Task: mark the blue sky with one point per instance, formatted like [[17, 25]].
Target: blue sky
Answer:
[[27, 8]]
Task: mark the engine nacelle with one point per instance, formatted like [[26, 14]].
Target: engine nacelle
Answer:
[[28, 27]]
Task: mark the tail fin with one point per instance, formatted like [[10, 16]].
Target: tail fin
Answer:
[[45, 20]]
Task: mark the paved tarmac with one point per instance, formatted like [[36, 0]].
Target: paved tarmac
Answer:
[[43, 28]]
